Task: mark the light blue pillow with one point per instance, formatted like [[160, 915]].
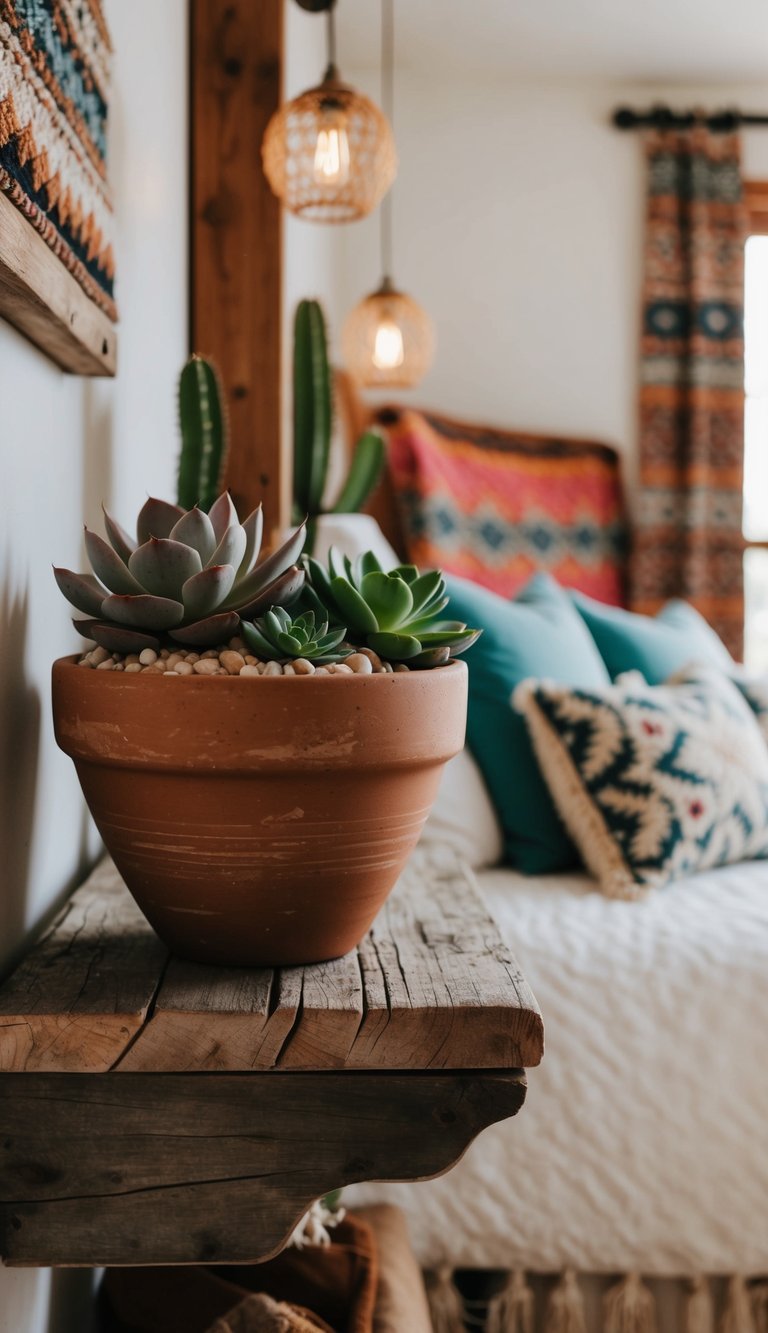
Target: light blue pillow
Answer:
[[657, 646], [538, 634]]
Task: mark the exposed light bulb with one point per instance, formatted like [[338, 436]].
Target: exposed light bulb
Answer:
[[331, 164], [388, 345]]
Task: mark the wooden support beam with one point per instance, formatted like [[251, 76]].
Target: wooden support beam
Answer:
[[236, 241], [39, 296]]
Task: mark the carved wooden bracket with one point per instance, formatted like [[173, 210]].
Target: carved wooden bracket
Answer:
[[205, 1168]]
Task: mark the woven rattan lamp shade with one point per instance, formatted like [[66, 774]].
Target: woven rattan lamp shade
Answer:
[[329, 155], [388, 340]]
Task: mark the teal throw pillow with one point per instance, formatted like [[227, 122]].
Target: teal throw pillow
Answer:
[[657, 646], [538, 634]]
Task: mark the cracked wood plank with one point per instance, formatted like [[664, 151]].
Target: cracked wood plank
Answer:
[[215, 1168], [433, 986], [442, 989], [82, 993]]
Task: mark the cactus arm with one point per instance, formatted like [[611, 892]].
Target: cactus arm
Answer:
[[364, 472], [203, 434], [311, 408]]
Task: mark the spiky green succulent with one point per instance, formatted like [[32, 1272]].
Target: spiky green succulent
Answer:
[[187, 574], [278, 637], [397, 614]]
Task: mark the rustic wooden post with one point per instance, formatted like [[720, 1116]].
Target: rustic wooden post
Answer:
[[236, 248]]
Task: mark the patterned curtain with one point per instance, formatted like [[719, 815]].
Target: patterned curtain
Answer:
[[688, 534]]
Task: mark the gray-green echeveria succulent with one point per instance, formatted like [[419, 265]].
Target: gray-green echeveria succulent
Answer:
[[279, 637], [187, 575], [397, 614]]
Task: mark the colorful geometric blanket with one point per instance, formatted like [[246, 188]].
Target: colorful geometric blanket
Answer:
[[495, 506], [55, 58]]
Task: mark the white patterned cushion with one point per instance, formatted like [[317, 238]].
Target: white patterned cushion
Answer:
[[652, 782], [755, 691]]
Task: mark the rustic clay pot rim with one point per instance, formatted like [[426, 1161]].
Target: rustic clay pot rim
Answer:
[[131, 680]]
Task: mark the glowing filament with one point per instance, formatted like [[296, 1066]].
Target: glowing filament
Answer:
[[388, 346], [331, 166]]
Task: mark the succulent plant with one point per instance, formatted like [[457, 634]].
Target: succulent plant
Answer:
[[397, 614], [312, 425], [278, 637], [203, 435], [187, 574]]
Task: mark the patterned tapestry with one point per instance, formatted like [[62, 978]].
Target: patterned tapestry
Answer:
[[55, 58], [688, 533], [495, 506]]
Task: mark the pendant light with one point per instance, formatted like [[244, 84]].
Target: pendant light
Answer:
[[388, 340], [329, 155]]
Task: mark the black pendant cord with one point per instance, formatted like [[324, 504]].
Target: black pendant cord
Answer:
[[387, 106], [330, 29], [662, 117]]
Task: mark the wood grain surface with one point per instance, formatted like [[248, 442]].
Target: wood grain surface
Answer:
[[236, 238], [204, 1168], [432, 986]]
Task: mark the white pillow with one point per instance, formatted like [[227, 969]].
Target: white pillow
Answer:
[[352, 534], [463, 818]]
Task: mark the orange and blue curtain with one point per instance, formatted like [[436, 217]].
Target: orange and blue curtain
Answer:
[[688, 522]]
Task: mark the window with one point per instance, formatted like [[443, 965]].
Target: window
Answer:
[[756, 431]]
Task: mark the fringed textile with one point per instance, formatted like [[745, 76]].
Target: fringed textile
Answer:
[[758, 1296], [565, 1307], [446, 1308], [511, 1311], [737, 1315], [699, 1308], [629, 1307], [688, 531]]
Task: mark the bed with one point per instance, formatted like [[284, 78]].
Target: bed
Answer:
[[643, 1147], [643, 1143]]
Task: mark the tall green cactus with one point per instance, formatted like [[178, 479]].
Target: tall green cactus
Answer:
[[312, 427], [203, 434]]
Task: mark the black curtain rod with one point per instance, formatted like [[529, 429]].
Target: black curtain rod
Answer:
[[663, 117]]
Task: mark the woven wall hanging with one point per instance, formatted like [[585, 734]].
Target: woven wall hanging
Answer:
[[55, 59]]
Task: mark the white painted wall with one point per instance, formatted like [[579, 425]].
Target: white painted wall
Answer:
[[518, 225], [68, 443]]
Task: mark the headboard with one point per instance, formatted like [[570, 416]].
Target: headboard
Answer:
[[493, 505]]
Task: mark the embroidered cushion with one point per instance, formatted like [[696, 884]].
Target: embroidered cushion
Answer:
[[495, 507], [657, 645], [538, 634], [755, 691], [653, 782]]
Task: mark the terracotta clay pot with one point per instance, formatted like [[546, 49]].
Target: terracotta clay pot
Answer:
[[259, 821]]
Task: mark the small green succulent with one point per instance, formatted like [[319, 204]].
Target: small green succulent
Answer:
[[278, 637], [397, 614], [187, 574]]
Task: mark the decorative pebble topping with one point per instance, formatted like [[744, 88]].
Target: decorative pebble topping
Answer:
[[232, 659]]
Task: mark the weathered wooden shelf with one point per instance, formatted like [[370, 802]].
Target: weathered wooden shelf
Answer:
[[158, 1111]]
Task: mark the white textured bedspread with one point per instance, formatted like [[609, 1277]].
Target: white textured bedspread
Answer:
[[643, 1142]]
